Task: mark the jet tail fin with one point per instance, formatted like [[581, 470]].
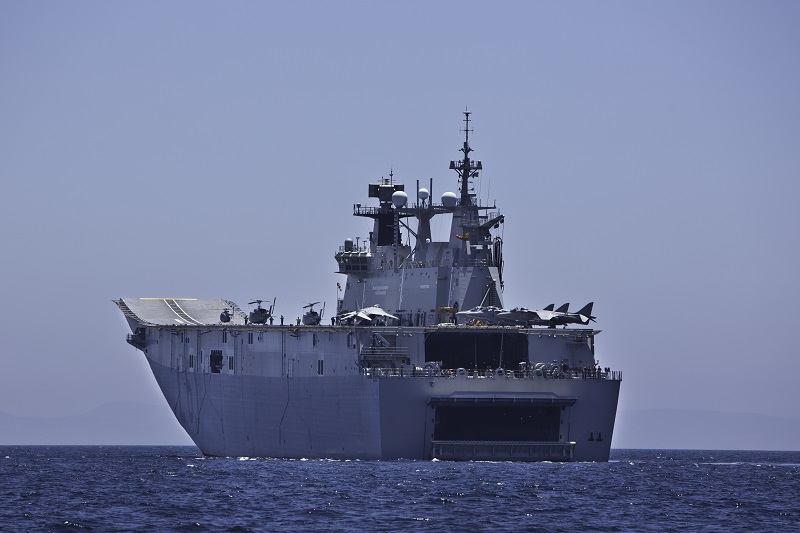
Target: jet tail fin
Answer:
[[586, 311], [549, 307], [563, 309]]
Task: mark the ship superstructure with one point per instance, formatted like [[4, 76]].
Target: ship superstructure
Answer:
[[463, 272], [403, 370]]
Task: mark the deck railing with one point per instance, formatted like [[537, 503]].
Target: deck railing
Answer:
[[462, 373]]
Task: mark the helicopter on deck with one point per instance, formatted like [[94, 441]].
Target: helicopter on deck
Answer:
[[259, 315], [311, 317]]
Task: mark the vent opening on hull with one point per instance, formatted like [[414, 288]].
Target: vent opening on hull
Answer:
[[456, 349], [497, 423], [215, 361]]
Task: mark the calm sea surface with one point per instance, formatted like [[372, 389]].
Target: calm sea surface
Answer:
[[141, 488]]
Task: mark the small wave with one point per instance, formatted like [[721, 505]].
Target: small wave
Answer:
[[745, 463], [747, 491]]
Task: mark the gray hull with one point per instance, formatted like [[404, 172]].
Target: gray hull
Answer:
[[350, 412]]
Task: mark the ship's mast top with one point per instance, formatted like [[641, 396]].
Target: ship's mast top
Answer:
[[466, 130], [466, 168]]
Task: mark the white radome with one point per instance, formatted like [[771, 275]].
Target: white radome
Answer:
[[399, 198]]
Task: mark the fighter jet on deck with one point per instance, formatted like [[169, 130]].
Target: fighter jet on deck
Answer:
[[368, 315], [545, 317], [483, 314]]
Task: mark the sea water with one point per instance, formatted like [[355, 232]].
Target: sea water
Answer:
[[142, 488]]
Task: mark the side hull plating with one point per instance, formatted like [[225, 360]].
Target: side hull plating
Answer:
[[344, 410]]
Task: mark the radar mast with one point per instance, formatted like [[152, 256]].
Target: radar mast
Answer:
[[466, 168]]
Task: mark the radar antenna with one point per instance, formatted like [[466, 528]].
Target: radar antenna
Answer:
[[466, 129]]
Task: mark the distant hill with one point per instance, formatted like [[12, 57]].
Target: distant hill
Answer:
[[115, 423], [704, 430]]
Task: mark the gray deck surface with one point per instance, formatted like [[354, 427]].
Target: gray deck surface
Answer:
[[181, 311]]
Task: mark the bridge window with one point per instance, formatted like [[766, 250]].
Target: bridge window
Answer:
[[250, 338], [224, 336]]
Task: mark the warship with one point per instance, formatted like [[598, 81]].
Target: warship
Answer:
[[420, 359]]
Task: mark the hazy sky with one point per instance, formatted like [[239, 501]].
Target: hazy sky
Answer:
[[646, 156]]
